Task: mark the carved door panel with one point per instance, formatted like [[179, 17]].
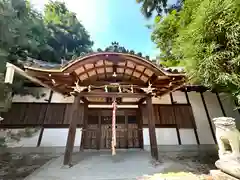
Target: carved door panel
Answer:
[[120, 132], [106, 132], [133, 132], [91, 136]]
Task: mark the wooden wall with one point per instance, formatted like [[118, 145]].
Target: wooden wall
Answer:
[[56, 115], [177, 115], [37, 114]]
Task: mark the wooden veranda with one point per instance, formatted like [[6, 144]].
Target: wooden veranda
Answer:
[[106, 78]]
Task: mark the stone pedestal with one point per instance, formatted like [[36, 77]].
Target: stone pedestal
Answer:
[[219, 175], [230, 166], [228, 135]]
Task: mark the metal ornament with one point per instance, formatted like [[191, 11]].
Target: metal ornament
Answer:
[[77, 88], [149, 89], [131, 88], [119, 89], [106, 89]]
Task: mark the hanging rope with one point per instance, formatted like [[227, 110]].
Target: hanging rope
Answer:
[[114, 104]]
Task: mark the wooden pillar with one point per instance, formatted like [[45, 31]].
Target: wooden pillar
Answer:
[[72, 130], [45, 114], [85, 124], [151, 126]]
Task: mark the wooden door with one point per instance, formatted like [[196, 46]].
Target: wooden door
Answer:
[[127, 132], [92, 132], [99, 130]]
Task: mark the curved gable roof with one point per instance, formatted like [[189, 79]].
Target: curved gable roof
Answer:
[[107, 67]]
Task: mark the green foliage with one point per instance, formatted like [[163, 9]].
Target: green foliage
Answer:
[[150, 6], [164, 35], [204, 37], [25, 33], [68, 36], [116, 47]]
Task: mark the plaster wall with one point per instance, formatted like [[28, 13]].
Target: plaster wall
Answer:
[[187, 136], [201, 120], [165, 136], [58, 137]]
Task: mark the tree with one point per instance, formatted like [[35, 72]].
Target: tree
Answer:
[[115, 47], [25, 33], [15, 38], [164, 35], [68, 36], [206, 42], [149, 6]]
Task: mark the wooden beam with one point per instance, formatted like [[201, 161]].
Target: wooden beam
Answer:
[[109, 80], [110, 103], [171, 89], [142, 100], [72, 131], [152, 79], [29, 77], [151, 126], [112, 94], [84, 100]]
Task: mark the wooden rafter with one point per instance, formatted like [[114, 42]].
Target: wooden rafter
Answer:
[[112, 66], [94, 66], [132, 72], [142, 72]]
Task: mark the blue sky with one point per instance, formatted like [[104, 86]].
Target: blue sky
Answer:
[[112, 20]]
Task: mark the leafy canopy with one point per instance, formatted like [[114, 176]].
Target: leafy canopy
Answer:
[[24, 33], [204, 36], [116, 47]]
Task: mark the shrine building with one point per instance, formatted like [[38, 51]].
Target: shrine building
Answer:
[[116, 101]]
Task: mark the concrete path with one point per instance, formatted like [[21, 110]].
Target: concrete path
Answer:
[[103, 166]]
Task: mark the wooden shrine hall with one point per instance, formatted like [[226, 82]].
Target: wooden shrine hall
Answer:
[[106, 79]]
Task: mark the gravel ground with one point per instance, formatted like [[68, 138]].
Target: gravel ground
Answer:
[[188, 166], [17, 166]]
